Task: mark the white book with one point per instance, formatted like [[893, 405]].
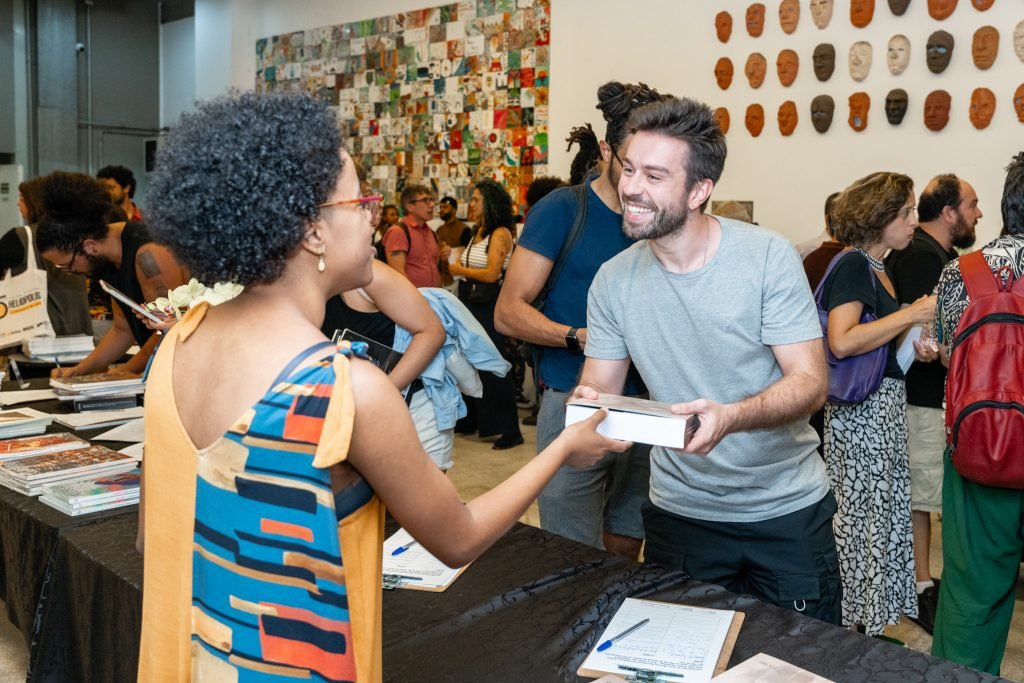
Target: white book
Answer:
[[58, 346], [22, 422], [414, 566], [28, 446], [679, 643], [762, 668], [635, 419], [98, 418], [11, 398], [76, 511]]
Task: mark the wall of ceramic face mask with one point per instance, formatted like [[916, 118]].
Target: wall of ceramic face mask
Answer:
[[444, 95], [788, 177]]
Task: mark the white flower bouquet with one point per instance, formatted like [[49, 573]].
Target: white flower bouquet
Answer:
[[181, 299]]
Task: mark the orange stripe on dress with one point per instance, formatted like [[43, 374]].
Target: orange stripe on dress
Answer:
[[281, 650], [272, 526]]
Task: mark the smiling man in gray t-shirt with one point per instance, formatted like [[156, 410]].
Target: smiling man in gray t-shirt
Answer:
[[718, 318]]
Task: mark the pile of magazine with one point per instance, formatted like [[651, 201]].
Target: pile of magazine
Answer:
[[12, 449], [100, 391], [30, 474], [71, 348], [22, 422], [93, 494]]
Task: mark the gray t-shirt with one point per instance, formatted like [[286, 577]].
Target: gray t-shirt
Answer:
[[708, 334]]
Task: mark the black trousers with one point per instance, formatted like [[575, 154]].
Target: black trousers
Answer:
[[789, 561]]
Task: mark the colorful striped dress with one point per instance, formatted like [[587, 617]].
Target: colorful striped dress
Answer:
[[257, 564]]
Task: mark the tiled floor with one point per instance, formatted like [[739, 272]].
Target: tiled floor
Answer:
[[477, 469]]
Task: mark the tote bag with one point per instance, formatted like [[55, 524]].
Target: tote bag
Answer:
[[23, 301]]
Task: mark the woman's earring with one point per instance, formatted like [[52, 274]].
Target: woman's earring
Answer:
[[321, 266]]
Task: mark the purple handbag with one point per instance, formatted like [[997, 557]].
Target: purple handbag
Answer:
[[854, 378]]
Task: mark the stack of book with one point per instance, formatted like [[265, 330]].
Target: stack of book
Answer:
[[93, 494], [22, 422], [29, 475], [71, 348], [12, 449], [100, 391]]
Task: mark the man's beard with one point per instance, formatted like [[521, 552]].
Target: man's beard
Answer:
[[963, 236], [663, 222], [98, 265]]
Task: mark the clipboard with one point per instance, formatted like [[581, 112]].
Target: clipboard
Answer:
[[123, 298], [721, 663], [412, 572]]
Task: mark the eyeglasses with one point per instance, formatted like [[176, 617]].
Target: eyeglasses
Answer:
[[372, 204], [66, 267], [428, 200]]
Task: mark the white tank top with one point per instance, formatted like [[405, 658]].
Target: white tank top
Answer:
[[475, 255]]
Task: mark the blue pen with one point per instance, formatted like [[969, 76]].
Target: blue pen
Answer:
[[608, 643], [402, 548]]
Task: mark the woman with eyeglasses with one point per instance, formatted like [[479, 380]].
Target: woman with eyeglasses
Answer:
[[271, 452], [481, 269], [865, 445]]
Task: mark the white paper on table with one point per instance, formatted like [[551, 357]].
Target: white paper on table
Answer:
[[416, 561], [133, 451], [762, 668], [905, 354], [678, 639], [13, 398], [98, 418], [133, 431]]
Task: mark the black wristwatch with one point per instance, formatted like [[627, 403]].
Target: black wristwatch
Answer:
[[572, 342]]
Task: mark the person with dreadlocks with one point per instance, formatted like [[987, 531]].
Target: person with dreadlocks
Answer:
[[544, 302]]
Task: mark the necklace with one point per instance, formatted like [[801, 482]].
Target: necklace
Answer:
[[875, 264]]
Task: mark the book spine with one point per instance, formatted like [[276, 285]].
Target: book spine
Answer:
[[81, 405]]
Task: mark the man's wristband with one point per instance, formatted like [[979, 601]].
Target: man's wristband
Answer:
[[572, 342]]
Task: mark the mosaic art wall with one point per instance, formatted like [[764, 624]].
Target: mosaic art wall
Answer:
[[444, 96]]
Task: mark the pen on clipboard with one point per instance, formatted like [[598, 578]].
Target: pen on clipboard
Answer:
[[402, 548], [608, 643], [13, 364]]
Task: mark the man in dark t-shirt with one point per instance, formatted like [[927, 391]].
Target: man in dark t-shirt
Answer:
[[947, 213]]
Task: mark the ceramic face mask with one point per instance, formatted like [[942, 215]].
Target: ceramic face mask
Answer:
[[821, 12], [723, 73], [787, 117], [788, 65], [1018, 40], [861, 12], [860, 103], [985, 46], [722, 119], [755, 19], [982, 5], [983, 105], [723, 26], [940, 51], [897, 56], [936, 109], [941, 9], [789, 15], [822, 109], [1018, 102], [755, 69], [896, 106], [860, 60], [824, 61], [755, 119], [898, 7]]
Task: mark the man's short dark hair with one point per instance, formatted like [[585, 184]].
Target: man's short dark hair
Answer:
[[691, 122], [76, 207], [1012, 205], [411, 193], [541, 187], [942, 191], [233, 207], [450, 201], [122, 174]]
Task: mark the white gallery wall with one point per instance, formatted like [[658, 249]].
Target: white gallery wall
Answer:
[[671, 45]]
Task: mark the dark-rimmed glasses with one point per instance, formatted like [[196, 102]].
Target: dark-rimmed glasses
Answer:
[[66, 267], [372, 204]]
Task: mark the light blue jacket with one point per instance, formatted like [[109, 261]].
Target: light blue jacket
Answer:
[[463, 335]]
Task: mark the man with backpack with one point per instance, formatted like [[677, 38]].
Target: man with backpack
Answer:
[[947, 212], [980, 330], [569, 234], [410, 246]]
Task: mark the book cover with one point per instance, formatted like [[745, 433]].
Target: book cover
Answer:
[[384, 357], [38, 445], [17, 416], [82, 491], [34, 467], [76, 511], [98, 379], [635, 419]]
